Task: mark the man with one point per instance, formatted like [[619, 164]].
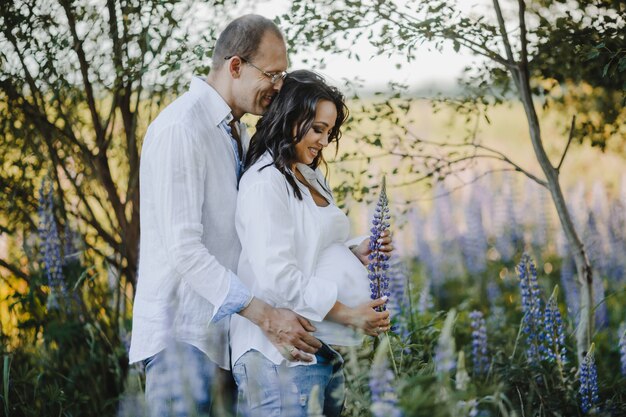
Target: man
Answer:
[[190, 164]]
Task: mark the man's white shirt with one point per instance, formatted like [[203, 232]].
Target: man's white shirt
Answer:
[[188, 244]]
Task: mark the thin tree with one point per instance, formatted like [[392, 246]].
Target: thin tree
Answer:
[[513, 54]]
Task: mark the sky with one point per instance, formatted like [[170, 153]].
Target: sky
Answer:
[[430, 69]]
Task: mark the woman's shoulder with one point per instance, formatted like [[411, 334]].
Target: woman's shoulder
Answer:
[[263, 173]]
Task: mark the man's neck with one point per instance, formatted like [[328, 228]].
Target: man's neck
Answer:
[[225, 91]]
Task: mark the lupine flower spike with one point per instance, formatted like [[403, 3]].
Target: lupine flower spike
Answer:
[[588, 382], [554, 335], [51, 245], [384, 398], [532, 322], [479, 343], [379, 261]]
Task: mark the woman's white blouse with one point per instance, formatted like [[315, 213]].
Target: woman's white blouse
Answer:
[[281, 243]]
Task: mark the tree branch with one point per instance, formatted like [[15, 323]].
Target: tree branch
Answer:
[[14, 270], [569, 142], [84, 70], [507, 44]]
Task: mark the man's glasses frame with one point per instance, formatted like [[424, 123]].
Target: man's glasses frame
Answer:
[[273, 76]]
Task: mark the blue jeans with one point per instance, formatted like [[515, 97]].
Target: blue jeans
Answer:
[[269, 390], [179, 380]]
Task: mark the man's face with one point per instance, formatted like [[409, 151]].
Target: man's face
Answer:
[[254, 92]]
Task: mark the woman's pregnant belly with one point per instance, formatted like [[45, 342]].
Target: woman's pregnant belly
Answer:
[[338, 264]]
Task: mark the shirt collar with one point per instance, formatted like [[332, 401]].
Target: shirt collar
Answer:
[[220, 111]]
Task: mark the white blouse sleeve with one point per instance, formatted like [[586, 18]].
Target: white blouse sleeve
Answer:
[[265, 225], [178, 182]]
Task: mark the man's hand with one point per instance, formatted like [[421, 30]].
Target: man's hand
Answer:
[[362, 250], [288, 331]]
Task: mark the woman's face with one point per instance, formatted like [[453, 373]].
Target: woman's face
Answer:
[[316, 138]]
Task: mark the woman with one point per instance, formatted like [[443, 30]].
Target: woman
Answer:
[[294, 254]]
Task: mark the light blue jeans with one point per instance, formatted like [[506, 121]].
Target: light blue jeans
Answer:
[[179, 380], [269, 390]]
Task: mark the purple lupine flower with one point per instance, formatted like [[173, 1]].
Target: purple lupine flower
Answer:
[[553, 348], [536, 216], [467, 408], [447, 248], [531, 306], [384, 398], [617, 241], [51, 245], [399, 301], [588, 382], [622, 351], [474, 242], [379, 261], [479, 343], [508, 236], [425, 299], [493, 293]]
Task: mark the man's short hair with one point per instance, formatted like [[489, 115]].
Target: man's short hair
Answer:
[[242, 37]]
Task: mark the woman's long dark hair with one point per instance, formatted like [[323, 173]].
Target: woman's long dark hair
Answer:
[[294, 106]]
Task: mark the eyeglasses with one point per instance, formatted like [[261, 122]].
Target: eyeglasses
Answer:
[[273, 76]]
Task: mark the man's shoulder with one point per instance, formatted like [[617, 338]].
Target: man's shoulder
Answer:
[[185, 114]]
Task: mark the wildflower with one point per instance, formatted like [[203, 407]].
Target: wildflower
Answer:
[[462, 378], [493, 293], [379, 261], [399, 303], [398, 276], [506, 224], [531, 306], [479, 342], [425, 300], [384, 398], [51, 245], [467, 408], [446, 347], [474, 242], [553, 348], [446, 248], [588, 382]]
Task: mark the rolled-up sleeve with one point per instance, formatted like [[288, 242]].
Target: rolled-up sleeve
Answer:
[[266, 229], [179, 174]]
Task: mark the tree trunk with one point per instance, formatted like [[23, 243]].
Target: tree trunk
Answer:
[[583, 266]]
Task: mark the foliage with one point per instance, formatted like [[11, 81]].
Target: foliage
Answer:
[[69, 360], [79, 81]]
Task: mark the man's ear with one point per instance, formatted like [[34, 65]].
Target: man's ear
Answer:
[[234, 66]]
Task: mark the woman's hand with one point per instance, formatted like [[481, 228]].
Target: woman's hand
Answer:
[[362, 250], [363, 317]]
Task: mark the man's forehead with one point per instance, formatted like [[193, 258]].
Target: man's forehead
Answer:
[[273, 50]]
